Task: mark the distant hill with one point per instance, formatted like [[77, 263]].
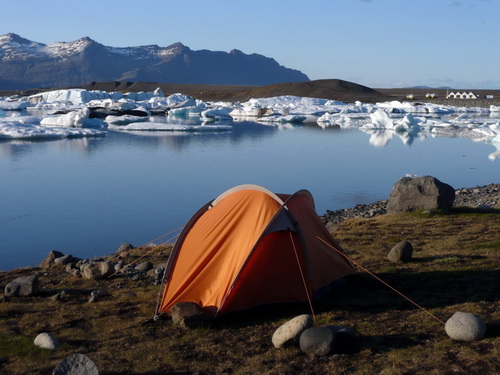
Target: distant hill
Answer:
[[27, 64], [334, 89]]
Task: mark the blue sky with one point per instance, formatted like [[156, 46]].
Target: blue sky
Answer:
[[377, 43]]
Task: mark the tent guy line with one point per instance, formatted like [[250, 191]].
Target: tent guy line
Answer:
[[382, 281]]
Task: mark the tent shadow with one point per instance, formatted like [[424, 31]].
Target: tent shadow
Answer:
[[383, 343], [265, 313], [493, 329], [441, 258], [435, 289]]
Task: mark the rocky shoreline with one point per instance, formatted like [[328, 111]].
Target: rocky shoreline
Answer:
[[481, 197]]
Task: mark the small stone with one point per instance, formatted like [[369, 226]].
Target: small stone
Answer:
[[189, 315], [317, 341], [76, 364], [124, 247], [119, 265], [56, 297], [402, 252], [123, 254], [464, 326], [144, 266], [65, 259], [49, 259], [70, 267], [289, 332], [128, 295], [46, 341]]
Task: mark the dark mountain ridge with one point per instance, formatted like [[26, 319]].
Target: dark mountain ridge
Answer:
[[28, 64]]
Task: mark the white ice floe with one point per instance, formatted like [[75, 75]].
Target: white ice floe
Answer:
[[217, 113], [81, 96], [293, 119], [251, 112], [33, 120], [74, 119], [163, 126], [13, 105], [125, 119], [295, 105], [16, 130]]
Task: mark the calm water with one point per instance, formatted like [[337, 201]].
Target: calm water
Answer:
[[87, 196]]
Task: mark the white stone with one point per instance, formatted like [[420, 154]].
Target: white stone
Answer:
[[46, 341], [464, 326], [289, 332]]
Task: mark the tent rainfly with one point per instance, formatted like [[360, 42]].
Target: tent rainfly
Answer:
[[251, 247]]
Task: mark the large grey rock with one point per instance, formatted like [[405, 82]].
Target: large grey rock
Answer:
[[49, 259], [189, 315], [464, 326], [46, 341], [420, 193], [76, 364], [289, 332], [22, 286], [401, 252], [317, 341]]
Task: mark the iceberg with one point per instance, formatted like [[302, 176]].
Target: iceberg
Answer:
[[14, 105], [16, 130], [75, 119]]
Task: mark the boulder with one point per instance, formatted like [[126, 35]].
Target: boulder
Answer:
[[189, 315], [76, 364], [92, 272], [49, 259], [46, 341], [401, 252], [317, 341], [464, 326], [289, 332], [22, 286], [106, 268], [420, 193]]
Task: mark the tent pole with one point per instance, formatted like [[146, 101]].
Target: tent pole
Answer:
[[303, 278]]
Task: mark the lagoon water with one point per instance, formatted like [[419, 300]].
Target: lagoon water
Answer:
[[87, 196]]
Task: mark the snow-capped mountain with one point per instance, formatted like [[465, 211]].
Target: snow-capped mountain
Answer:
[[29, 64]]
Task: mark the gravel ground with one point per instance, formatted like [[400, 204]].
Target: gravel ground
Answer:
[[484, 197]]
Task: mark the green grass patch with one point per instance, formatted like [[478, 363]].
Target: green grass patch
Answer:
[[19, 346], [493, 245]]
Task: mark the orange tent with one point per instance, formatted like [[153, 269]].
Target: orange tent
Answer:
[[251, 247]]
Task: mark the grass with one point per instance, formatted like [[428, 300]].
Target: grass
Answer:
[[455, 267]]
